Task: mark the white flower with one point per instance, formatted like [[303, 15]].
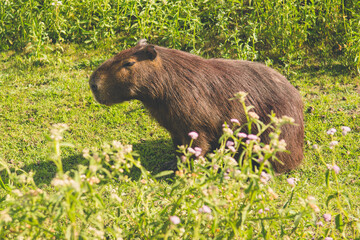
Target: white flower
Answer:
[[204, 209], [174, 219]]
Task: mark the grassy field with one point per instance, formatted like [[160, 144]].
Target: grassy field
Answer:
[[37, 94], [47, 55]]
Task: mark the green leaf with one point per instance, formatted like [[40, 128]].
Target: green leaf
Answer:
[[327, 177], [163, 173], [4, 186], [339, 223]]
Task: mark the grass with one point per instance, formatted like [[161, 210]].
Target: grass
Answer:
[[48, 51], [37, 93]]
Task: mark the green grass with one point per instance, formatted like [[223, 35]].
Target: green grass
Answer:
[[34, 98], [47, 55], [37, 93], [288, 32]]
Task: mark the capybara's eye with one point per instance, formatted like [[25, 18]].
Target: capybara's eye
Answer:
[[128, 64]]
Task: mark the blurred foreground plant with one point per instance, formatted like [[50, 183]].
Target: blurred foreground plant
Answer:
[[217, 197]]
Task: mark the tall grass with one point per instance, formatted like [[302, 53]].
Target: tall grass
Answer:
[[289, 32]]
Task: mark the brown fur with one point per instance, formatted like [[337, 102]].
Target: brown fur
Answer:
[[185, 93]]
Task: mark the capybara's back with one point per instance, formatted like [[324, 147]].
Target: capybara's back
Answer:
[[185, 93]]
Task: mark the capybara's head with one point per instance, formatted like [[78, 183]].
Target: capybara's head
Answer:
[[122, 77]]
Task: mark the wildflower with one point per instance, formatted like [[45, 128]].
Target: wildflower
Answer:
[[17, 192], [331, 131], [183, 159], [93, 180], [204, 209], [345, 130], [231, 161], [336, 169], [193, 135], [252, 137], [291, 181], [253, 115], [242, 135], [5, 217], [215, 167], [230, 145], [228, 131], [174, 219], [260, 159], [267, 209], [265, 177], [328, 238], [56, 3], [315, 146], [320, 224], [282, 145], [86, 153], [127, 149], [256, 148], [197, 151], [191, 150], [273, 194], [241, 96], [327, 217], [314, 207], [333, 143], [235, 121], [261, 211], [116, 144]]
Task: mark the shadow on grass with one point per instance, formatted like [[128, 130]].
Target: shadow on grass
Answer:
[[333, 70], [155, 156]]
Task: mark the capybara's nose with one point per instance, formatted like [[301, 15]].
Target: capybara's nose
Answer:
[[93, 87]]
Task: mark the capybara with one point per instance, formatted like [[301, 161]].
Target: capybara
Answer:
[[185, 93]]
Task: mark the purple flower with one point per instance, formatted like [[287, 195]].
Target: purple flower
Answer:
[[320, 224], [230, 145], [291, 181], [328, 238], [260, 159], [252, 137], [327, 217], [336, 169], [193, 135], [331, 131], [261, 211], [174, 219], [333, 143], [235, 121], [232, 149], [345, 130], [265, 177], [242, 135], [191, 150], [204, 209], [333, 167], [267, 209], [197, 151]]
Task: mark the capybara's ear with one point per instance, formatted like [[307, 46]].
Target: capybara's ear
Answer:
[[150, 52]]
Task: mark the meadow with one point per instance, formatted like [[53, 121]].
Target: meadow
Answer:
[[74, 169]]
